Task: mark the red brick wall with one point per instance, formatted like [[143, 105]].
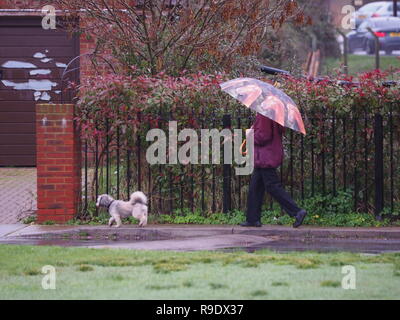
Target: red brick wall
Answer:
[[58, 163], [86, 67]]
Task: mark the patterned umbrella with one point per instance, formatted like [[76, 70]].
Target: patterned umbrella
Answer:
[[266, 100]]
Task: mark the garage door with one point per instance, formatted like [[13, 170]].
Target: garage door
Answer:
[[32, 61]]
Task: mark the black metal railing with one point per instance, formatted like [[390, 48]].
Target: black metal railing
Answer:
[[358, 155]]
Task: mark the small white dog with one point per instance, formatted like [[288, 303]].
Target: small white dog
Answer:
[[136, 207]]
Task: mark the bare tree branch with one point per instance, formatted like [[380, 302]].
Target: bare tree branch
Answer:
[[170, 35]]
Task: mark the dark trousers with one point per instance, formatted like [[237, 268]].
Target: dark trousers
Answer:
[[266, 179]]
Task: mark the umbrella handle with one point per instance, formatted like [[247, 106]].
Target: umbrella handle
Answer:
[[244, 153]]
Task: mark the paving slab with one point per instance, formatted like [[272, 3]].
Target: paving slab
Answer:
[[41, 230], [206, 237], [192, 244], [6, 229], [131, 232], [373, 246], [323, 232], [184, 231]]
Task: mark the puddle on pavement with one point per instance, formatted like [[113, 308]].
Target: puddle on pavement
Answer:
[[372, 246], [57, 242], [326, 245]]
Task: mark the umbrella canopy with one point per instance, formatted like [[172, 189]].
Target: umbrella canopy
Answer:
[[266, 100]]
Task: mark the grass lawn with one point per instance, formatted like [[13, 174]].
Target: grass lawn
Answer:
[[358, 63], [124, 274]]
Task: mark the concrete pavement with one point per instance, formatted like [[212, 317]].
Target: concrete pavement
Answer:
[[200, 237], [18, 194]]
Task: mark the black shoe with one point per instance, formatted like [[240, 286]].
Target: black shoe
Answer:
[[299, 218], [251, 224]]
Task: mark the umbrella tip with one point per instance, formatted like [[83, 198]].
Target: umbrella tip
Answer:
[[273, 71]]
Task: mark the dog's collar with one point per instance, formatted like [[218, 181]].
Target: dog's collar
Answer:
[[109, 205]]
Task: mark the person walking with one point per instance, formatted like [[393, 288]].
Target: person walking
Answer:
[[268, 156]]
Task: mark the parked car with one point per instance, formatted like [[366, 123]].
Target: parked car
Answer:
[[387, 30], [386, 10], [368, 10]]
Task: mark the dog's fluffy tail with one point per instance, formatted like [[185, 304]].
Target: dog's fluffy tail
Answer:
[[138, 197]]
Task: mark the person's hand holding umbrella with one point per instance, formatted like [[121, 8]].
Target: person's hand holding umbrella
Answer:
[[243, 146]]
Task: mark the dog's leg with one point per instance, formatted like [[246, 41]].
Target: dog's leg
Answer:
[[143, 221], [111, 221], [118, 221]]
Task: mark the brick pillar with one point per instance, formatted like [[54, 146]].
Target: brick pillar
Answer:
[[58, 163]]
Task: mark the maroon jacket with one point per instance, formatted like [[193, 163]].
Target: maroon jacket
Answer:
[[268, 148]]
